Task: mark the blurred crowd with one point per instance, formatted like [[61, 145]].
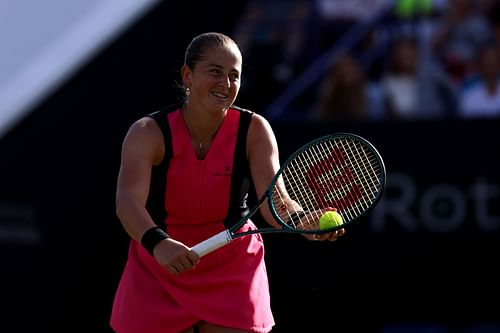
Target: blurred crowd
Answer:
[[416, 59]]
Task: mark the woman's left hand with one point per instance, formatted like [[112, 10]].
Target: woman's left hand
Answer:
[[330, 236]]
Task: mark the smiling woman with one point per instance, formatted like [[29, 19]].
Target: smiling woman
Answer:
[[186, 171]]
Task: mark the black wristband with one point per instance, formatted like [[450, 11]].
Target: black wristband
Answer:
[[152, 237]]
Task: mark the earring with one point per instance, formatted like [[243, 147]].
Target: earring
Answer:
[[188, 91]]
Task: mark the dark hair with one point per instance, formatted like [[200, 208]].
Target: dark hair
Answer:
[[199, 45]]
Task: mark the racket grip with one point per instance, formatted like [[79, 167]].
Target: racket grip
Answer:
[[212, 243]]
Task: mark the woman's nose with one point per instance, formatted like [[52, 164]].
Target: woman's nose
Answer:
[[225, 81]]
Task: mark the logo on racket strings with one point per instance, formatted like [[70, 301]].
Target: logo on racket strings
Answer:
[[333, 182]]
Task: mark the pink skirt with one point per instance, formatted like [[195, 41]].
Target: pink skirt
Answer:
[[228, 287]]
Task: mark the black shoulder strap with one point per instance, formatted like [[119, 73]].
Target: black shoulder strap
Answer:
[[241, 172], [161, 118], [157, 190]]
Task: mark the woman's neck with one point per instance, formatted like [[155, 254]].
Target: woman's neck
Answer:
[[202, 123], [202, 127]]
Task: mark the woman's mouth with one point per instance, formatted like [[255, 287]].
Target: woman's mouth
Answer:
[[220, 95]]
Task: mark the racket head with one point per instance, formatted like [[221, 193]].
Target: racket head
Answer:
[[341, 171]]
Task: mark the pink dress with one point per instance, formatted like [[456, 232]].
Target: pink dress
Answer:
[[229, 286]]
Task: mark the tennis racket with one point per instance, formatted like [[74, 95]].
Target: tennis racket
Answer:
[[342, 171]]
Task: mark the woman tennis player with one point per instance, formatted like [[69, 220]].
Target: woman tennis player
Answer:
[[184, 177]]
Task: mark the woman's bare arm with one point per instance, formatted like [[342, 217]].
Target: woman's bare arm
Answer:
[[142, 148]]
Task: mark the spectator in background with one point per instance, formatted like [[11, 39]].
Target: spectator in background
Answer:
[[260, 38], [277, 38], [494, 18], [413, 91], [487, 7], [300, 45], [481, 98], [496, 31], [458, 36], [346, 95], [337, 16]]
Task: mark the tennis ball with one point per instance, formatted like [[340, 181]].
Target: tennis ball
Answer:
[[330, 219]]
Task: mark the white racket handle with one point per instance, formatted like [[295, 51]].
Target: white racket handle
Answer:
[[212, 243]]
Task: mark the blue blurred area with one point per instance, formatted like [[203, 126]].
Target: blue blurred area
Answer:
[[424, 261]]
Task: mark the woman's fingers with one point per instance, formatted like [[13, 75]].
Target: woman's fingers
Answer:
[[183, 263], [330, 236]]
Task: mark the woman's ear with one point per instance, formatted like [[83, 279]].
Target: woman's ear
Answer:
[[186, 75]]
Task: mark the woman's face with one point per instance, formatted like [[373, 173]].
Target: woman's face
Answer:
[[215, 81]]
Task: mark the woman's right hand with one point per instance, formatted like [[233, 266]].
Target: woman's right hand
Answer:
[[175, 256]]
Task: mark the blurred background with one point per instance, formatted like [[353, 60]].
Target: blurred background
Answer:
[[417, 78]]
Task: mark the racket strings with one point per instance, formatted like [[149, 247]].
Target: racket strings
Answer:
[[340, 173], [335, 177], [293, 217], [369, 172], [297, 176], [361, 163], [305, 174], [293, 177]]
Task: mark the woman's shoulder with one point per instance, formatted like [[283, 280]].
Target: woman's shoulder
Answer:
[[145, 129], [242, 110], [258, 121], [164, 112], [143, 124]]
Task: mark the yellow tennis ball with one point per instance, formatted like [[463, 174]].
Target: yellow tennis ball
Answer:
[[330, 219]]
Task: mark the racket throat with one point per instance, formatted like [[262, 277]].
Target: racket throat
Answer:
[[212, 243]]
